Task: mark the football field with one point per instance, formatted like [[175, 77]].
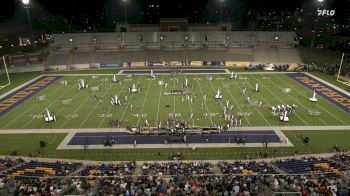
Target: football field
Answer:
[[157, 103]]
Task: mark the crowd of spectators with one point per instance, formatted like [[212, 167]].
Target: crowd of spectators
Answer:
[[9, 162], [110, 169], [177, 168], [307, 184], [343, 159], [183, 178], [247, 167]]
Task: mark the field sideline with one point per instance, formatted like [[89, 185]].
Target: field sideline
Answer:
[[28, 144], [152, 104]]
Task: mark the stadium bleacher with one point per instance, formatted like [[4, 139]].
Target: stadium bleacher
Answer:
[[246, 168], [9, 162], [155, 40], [311, 165], [177, 168], [102, 169], [179, 178], [35, 169]]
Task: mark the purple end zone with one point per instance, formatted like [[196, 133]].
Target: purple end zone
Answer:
[[17, 97], [98, 138], [329, 93]]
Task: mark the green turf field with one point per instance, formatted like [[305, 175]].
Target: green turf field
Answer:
[[25, 144], [153, 105]]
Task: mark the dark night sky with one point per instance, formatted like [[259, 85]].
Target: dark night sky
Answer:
[[168, 8]]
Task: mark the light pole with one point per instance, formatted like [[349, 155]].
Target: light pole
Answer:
[[26, 5], [126, 17]]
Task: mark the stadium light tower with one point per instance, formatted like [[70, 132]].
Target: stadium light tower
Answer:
[[26, 5], [126, 16]]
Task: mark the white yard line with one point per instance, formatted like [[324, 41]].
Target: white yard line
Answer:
[[160, 95], [262, 84], [174, 96], [76, 110], [109, 109], [234, 100], [144, 101], [94, 108], [126, 108], [30, 108], [302, 105], [54, 113], [222, 106], [245, 81], [190, 107], [205, 102], [307, 98]]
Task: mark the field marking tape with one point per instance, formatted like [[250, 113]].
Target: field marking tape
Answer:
[[319, 104], [160, 95], [205, 102], [126, 108], [280, 100], [190, 106], [94, 108], [245, 81], [222, 106], [174, 112], [29, 108], [52, 103], [109, 109], [302, 105], [144, 101], [77, 109], [234, 100]]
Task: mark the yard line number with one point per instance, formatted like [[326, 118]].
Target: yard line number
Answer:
[[105, 115], [143, 115]]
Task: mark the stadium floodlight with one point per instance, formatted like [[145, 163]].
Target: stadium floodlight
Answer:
[[26, 5], [320, 0]]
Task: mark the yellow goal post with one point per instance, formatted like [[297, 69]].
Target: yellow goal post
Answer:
[[4, 72], [338, 76]]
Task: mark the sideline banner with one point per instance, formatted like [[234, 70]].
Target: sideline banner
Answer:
[[237, 63], [196, 63], [114, 65], [134, 64], [214, 63]]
